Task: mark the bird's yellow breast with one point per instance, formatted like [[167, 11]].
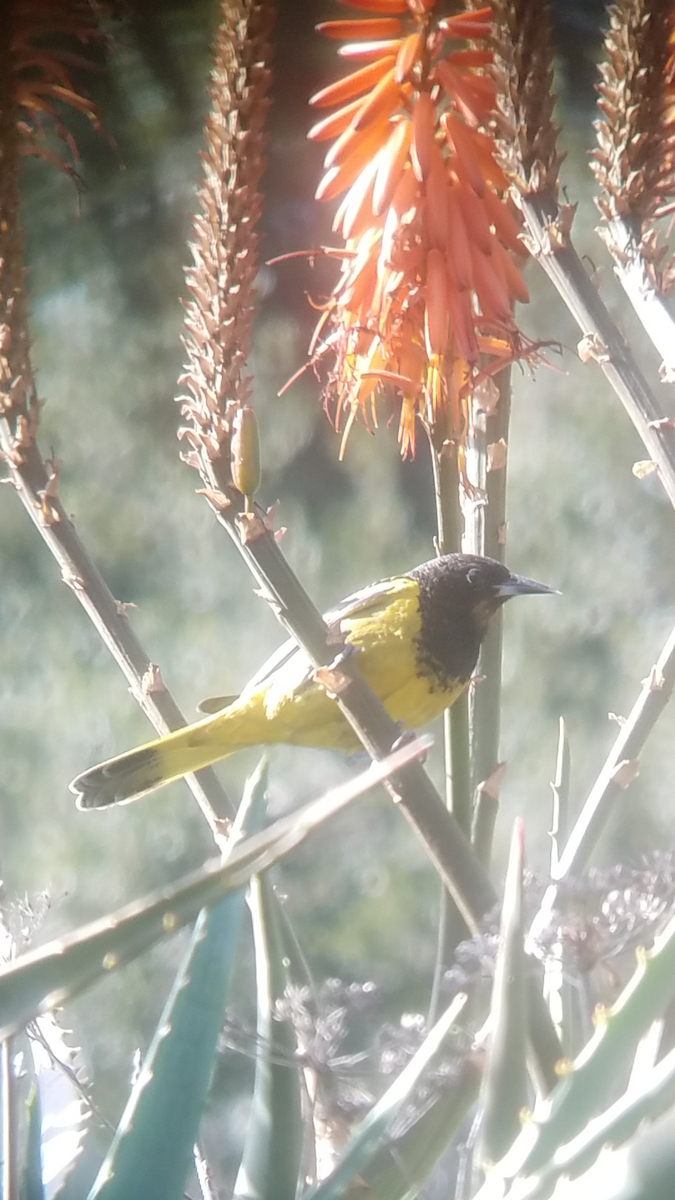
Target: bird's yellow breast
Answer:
[[292, 707], [389, 661]]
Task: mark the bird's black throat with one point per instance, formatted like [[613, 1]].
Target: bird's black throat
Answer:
[[454, 616]]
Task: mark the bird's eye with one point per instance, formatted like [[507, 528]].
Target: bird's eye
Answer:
[[473, 576]]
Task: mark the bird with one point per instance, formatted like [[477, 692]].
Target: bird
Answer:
[[417, 637]]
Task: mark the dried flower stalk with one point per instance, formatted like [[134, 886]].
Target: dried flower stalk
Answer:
[[34, 85], [524, 72], [219, 315], [634, 162], [548, 228], [34, 479]]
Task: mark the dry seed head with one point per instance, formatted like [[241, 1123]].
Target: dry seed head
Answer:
[[634, 162], [526, 133], [219, 313]]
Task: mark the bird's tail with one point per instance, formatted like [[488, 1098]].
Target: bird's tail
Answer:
[[132, 775]]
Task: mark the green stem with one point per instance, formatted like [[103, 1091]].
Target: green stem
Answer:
[[449, 539], [446, 492], [460, 757], [486, 696], [472, 727], [457, 770], [483, 828], [495, 485], [550, 243]]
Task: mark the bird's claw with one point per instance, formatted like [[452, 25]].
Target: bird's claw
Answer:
[[406, 737]]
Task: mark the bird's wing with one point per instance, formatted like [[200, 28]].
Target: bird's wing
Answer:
[[276, 661], [369, 600], [214, 704], [289, 667]]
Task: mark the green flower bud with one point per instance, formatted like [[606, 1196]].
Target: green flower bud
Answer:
[[245, 451]]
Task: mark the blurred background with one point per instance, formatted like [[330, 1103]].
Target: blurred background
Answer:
[[106, 278]]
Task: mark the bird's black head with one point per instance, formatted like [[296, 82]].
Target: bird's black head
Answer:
[[459, 594]]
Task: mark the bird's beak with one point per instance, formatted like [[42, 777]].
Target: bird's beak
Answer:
[[518, 585]]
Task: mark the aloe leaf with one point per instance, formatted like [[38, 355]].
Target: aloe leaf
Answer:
[[401, 1166], [504, 1091], [376, 1127], [643, 1170], [273, 1149], [47, 977], [613, 1127], [151, 1154], [583, 1092]]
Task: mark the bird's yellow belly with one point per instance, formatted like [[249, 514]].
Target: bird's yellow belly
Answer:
[[308, 717], [411, 705]]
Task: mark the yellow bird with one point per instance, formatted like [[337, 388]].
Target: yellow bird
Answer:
[[417, 636]]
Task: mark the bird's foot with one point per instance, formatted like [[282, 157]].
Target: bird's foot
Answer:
[[406, 737]]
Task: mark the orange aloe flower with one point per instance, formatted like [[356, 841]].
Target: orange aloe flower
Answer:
[[424, 301]]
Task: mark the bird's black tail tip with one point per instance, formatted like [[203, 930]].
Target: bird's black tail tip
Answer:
[[93, 790], [118, 781]]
